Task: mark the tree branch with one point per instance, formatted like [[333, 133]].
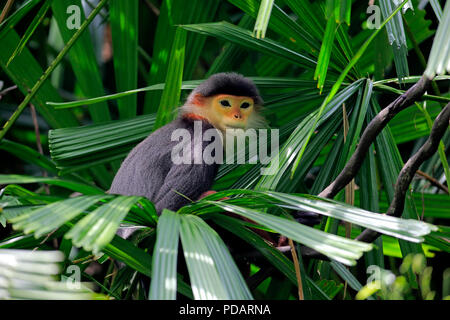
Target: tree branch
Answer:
[[433, 181], [6, 9], [371, 132], [406, 174], [409, 169], [368, 137]]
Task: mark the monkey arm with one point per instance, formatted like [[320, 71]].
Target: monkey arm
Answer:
[[177, 189]]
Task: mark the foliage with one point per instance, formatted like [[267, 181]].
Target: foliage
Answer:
[[391, 287], [324, 74]]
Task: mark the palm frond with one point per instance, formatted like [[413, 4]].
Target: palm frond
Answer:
[[26, 274]]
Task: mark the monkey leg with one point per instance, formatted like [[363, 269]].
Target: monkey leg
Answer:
[[307, 218], [304, 217]]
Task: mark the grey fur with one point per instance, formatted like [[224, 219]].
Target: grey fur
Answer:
[[148, 170]]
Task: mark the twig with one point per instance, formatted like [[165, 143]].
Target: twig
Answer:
[[36, 129], [6, 9], [370, 133], [38, 141], [297, 270], [5, 91], [349, 188], [409, 169], [152, 7], [88, 257], [368, 137], [433, 181], [47, 236]]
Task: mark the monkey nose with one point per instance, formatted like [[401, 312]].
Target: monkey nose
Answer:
[[238, 116]]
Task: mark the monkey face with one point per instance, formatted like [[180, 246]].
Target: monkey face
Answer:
[[231, 111]]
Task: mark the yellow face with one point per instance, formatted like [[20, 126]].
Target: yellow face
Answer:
[[231, 112]]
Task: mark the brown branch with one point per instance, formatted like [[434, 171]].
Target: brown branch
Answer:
[[152, 7], [369, 135], [36, 129], [409, 169], [433, 181], [371, 132], [5, 91], [6, 9], [406, 174], [38, 141], [298, 274]]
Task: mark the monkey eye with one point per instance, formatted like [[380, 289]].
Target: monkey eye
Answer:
[[245, 105], [225, 103]]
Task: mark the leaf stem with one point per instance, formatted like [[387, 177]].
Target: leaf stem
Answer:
[[49, 70], [6, 9]]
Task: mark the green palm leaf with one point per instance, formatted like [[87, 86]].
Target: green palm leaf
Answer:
[[439, 59], [26, 274], [34, 24], [124, 31], [232, 33], [14, 18], [263, 19], [164, 272], [54, 215], [229, 273], [340, 249], [98, 228], [206, 281], [170, 98]]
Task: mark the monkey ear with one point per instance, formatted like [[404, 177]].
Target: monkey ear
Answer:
[[198, 99]]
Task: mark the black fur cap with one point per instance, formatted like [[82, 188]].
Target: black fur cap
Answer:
[[229, 83]]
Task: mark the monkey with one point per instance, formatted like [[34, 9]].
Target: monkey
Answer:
[[223, 101]]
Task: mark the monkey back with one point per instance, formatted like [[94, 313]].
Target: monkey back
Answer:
[[149, 171]]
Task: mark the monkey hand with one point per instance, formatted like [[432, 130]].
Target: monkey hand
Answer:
[[307, 218], [210, 192]]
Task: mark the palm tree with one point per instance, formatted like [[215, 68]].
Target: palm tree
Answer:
[[333, 75]]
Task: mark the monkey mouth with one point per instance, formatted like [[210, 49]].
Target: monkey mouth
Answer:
[[231, 126]]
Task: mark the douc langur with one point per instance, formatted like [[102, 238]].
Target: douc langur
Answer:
[[223, 101]]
